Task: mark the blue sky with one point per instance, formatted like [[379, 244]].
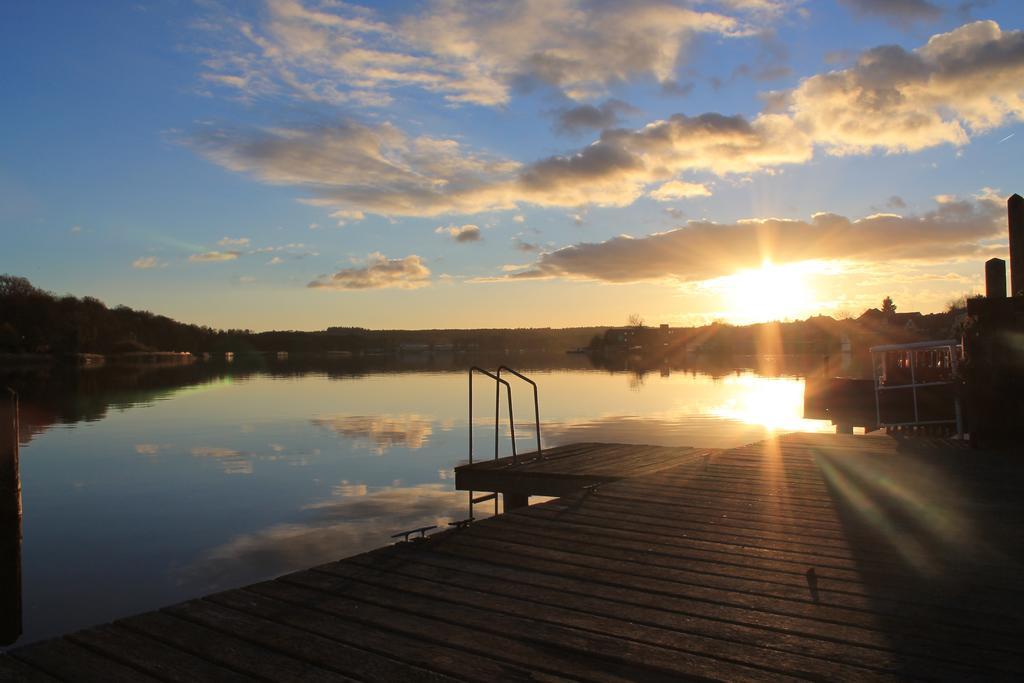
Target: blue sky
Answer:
[[300, 164]]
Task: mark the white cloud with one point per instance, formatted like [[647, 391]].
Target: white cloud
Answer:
[[460, 233], [233, 242], [377, 273], [214, 256], [345, 216], [146, 262], [962, 82], [678, 189]]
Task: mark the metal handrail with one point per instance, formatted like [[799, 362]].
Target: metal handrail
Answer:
[[536, 400], [498, 381], [497, 395]]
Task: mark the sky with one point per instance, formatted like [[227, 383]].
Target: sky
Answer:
[[299, 164]]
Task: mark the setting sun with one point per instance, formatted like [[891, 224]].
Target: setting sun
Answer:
[[768, 293]]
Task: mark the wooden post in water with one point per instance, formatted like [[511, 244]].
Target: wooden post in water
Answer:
[[10, 520], [1015, 218]]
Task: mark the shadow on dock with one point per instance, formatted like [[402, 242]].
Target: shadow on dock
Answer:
[[934, 530]]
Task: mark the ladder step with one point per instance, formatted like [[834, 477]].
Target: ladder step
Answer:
[[484, 499]]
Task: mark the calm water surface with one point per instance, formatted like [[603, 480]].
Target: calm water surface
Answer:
[[148, 486]]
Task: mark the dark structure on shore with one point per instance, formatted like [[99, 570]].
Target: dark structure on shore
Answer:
[[985, 379], [994, 343]]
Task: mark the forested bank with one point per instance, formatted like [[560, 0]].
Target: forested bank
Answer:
[[34, 321]]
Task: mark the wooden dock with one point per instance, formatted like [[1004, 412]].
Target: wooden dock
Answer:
[[565, 470], [821, 557]]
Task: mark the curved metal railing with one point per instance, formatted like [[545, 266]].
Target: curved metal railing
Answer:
[[498, 381], [536, 401]]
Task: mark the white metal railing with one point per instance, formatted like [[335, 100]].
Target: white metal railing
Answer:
[[926, 364], [498, 383]]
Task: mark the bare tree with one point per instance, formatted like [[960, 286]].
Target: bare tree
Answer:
[[636, 320]]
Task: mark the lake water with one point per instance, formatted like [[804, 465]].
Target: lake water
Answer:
[[145, 486]]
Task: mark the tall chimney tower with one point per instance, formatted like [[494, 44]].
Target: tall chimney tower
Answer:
[[1015, 214]]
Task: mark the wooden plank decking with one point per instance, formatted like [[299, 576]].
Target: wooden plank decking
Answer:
[[565, 470], [803, 557]]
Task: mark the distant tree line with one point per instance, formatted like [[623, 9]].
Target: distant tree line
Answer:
[[33, 320]]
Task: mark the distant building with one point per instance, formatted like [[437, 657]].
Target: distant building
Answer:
[[906, 321]]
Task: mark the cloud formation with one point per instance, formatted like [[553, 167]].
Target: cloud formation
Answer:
[[460, 233], [233, 242], [214, 256], [359, 167], [702, 249], [378, 272], [355, 167], [962, 82], [465, 51], [893, 100]]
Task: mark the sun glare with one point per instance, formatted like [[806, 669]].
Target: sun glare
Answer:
[[777, 404], [768, 293]]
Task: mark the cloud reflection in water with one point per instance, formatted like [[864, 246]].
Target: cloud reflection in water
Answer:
[[229, 459], [354, 520], [381, 433]]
